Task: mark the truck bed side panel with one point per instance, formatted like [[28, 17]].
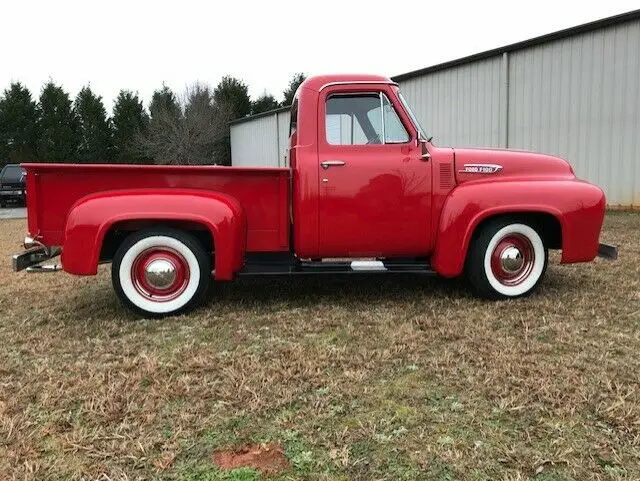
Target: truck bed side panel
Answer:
[[263, 194]]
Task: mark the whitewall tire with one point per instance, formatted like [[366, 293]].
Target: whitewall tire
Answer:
[[161, 271], [506, 259]]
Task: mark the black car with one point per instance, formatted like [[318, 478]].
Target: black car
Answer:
[[12, 184]]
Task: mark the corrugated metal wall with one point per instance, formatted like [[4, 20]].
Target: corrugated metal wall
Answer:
[[255, 143], [463, 105], [579, 98], [261, 142], [283, 138], [576, 97]]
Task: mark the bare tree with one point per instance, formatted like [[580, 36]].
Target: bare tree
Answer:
[[190, 134]]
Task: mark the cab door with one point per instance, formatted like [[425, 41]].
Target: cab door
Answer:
[[374, 184]]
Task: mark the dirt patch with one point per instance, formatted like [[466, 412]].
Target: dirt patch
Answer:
[[266, 458]]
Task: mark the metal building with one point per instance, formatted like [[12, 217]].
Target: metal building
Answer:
[[573, 93]]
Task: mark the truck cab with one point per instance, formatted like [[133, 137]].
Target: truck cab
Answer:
[[366, 191], [371, 166]]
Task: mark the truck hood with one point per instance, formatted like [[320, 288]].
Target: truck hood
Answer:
[[486, 164]]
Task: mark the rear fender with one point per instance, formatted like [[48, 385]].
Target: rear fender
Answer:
[[578, 207], [91, 217]]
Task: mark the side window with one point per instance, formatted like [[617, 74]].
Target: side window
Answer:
[[346, 122], [344, 129], [394, 131], [363, 119]]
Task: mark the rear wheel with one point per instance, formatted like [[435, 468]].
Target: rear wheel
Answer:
[[161, 271], [506, 259]]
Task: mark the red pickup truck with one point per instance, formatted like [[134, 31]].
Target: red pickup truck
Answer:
[[366, 191]]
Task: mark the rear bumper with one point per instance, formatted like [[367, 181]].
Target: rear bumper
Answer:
[[607, 251], [33, 256]]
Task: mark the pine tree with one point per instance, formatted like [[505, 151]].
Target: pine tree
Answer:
[[18, 125], [264, 103], [232, 95], [95, 133], [58, 135], [130, 123], [164, 103], [290, 92]]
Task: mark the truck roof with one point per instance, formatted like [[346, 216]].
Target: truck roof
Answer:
[[318, 82]]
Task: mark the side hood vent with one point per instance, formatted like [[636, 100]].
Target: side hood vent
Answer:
[[447, 180]]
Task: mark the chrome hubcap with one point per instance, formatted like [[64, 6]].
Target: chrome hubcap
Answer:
[[511, 259], [160, 273]]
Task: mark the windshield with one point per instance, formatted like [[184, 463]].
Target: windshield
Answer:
[[413, 116]]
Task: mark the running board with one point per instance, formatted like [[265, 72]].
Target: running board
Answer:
[[292, 266]]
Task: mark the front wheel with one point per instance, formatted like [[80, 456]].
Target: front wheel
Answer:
[[506, 259], [161, 271]]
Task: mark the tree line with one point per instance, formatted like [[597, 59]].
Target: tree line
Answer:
[[191, 127]]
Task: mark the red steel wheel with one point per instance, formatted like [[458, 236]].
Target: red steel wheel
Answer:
[[160, 274], [512, 259]]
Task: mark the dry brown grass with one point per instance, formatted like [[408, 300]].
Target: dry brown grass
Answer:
[[374, 378]]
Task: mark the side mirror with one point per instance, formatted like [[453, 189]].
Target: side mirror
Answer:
[[426, 156], [420, 138]]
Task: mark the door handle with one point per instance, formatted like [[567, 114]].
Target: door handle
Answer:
[[332, 163], [425, 157]]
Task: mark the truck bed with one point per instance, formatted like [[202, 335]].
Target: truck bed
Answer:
[[52, 189]]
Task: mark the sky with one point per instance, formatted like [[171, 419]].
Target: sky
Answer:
[[139, 45]]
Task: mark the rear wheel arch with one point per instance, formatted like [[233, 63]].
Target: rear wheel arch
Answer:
[[116, 233], [97, 224]]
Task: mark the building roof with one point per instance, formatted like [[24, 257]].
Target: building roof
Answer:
[[266, 113], [560, 34]]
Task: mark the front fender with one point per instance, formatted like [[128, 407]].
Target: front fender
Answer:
[[91, 217], [578, 206]]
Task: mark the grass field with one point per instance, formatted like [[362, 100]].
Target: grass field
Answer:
[[376, 378]]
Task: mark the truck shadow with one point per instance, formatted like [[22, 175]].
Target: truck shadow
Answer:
[[361, 290], [96, 303], [340, 290]]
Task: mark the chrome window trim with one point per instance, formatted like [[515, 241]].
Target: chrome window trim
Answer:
[[352, 82], [384, 137]]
